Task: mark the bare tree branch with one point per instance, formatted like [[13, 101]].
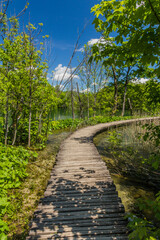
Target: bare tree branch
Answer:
[[74, 51], [21, 12], [5, 10], [71, 76]]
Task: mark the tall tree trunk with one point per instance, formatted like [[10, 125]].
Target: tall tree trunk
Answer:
[[40, 122], [72, 99], [15, 125], [87, 103], [124, 99], [130, 106], [48, 120], [115, 91], [15, 134], [80, 102], [40, 125], [30, 115], [6, 121], [94, 108], [125, 92]]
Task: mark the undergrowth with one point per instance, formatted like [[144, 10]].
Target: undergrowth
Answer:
[[24, 176], [135, 150], [12, 173], [76, 123]]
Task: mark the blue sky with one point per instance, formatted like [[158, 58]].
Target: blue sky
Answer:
[[62, 20]]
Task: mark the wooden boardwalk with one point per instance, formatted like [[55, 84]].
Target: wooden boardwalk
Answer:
[[80, 201]]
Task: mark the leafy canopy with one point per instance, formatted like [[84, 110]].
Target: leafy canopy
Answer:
[[135, 23]]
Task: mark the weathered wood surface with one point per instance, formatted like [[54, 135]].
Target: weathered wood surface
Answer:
[[80, 201]]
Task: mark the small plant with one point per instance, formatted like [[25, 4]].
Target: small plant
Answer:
[[135, 150], [70, 123], [12, 172], [143, 229]]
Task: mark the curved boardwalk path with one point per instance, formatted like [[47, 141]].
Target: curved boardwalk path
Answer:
[[80, 201]]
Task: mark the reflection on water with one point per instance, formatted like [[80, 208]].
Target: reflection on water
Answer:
[[65, 113], [62, 113], [128, 189]]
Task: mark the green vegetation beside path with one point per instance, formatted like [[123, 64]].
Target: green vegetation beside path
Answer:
[[25, 173]]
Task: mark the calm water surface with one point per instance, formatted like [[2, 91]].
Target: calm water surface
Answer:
[[128, 190]]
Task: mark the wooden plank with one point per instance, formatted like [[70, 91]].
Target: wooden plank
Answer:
[[81, 232], [78, 192], [83, 222], [85, 201], [72, 189], [81, 199], [109, 219], [80, 210], [88, 237], [79, 215]]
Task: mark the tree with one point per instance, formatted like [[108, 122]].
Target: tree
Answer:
[[124, 68], [136, 24], [26, 96], [91, 74]]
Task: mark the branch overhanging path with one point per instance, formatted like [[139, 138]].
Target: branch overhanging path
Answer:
[[81, 201]]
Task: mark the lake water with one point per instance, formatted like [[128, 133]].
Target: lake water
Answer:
[[128, 189], [62, 113]]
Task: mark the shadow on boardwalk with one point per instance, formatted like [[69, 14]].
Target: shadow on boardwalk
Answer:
[[71, 210]]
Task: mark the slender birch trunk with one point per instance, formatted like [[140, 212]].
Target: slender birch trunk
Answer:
[[6, 121], [72, 99], [115, 91], [125, 92], [80, 102], [130, 106], [30, 114], [87, 103]]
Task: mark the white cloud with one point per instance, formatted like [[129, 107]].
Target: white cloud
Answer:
[[94, 84], [80, 50], [90, 43], [142, 3], [85, 90], [101, 40], [93, 41], [59, 72], [141, 80], [61, 86]]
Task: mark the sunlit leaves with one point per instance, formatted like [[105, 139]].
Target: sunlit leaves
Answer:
[[138, 22]]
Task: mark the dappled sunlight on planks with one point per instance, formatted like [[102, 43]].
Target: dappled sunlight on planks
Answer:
[[81, 201]]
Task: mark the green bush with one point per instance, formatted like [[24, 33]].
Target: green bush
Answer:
[[12, 172], [70, 123]]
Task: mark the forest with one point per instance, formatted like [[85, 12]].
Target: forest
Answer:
[[118, 78]]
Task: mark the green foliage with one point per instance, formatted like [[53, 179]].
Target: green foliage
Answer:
[[137, 149], [66, 123], [70, 123], [114, 139], [134, 51], [12, 172], [152, 135], [144, 229], [136, 24], [26, 96]]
